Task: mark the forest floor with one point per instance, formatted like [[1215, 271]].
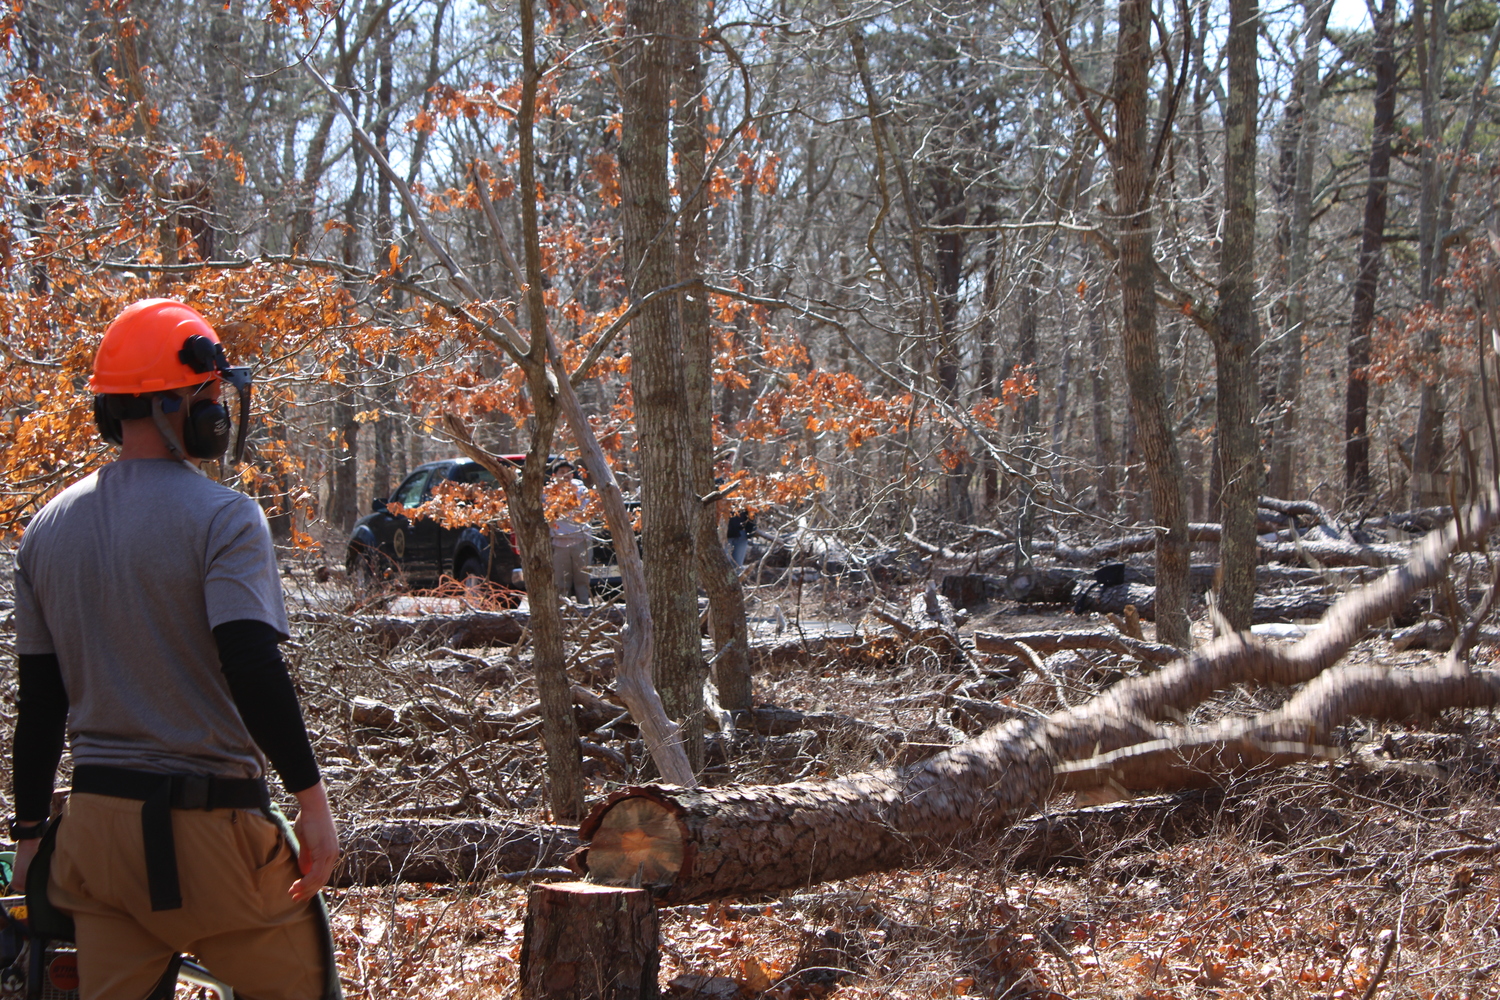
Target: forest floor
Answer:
[[1371, 875]]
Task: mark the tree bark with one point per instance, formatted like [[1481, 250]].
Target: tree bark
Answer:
[[344, 501], [589, 942], [1357, 484], [1431, 49], [1283, 606], [1106, 454], [526, 498], [705, 844], [1133, 178], [1298, 229], [1237, 330], [646, 68], [720, 577]]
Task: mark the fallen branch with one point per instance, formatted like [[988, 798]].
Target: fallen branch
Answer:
[[708, 843], [474, 628], [1438, 635], [426, 850], [1047, 643]]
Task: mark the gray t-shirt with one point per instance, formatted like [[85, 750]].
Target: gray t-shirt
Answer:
[[123, 576]]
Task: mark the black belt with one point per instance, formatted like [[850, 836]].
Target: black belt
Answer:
[[159, 794]]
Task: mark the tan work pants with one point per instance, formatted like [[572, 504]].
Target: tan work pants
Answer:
[[237, 917], [570, 566]]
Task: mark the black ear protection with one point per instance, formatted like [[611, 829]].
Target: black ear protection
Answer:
[[110, 410], [108, 424], [205, 432]]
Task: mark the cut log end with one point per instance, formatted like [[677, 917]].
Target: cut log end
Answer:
[[638, 841]]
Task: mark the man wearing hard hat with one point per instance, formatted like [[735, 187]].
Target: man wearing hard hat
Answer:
[[148, 612]]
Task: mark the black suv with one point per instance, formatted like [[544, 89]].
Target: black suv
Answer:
[[421, 551]]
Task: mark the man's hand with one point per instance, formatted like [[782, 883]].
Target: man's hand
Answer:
[[319, 840], [25, 851]]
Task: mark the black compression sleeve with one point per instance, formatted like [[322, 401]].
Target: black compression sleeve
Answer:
[[41, 725], [263, 692]]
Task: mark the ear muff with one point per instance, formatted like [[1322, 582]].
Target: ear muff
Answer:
[[108, 423], [205, 432], [110, 409]]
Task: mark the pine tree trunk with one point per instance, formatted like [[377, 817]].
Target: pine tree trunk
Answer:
[[559, 728], [1427, 448], [1298, 230], [589, 942], [708, 843], [720, 578]]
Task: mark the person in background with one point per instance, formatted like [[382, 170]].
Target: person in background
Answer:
[[570, 541], [741, 528]]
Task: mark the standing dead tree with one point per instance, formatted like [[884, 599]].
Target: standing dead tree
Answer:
[[710, 843]]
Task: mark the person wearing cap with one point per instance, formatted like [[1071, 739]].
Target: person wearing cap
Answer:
[[148, 610], [570, 541]]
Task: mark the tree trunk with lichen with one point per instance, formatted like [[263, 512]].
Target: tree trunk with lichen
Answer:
[[526, 497], [1357, 484], [1236, 332]]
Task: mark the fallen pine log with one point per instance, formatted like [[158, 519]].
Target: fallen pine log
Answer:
[[589, 709], [699, 844], [467, 630], [456, 850], [1327, 552], [1273, 515], [1419, 521], [1114, 549], [474, 628], [1302, 508], [794, 642], [1065, 585]]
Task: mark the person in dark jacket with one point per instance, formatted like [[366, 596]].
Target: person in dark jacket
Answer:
[[741, 529]]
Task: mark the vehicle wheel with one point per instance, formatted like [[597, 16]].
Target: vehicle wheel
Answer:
[[471, 567], [363, 566]]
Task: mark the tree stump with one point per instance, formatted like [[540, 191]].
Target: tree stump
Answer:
[[589, 942]]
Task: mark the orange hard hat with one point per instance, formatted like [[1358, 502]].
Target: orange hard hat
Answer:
[[143, 349]]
